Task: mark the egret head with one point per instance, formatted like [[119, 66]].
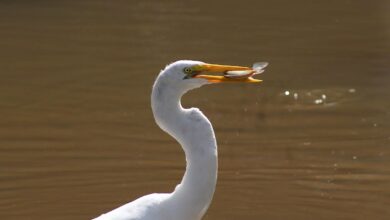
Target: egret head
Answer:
[[181, 76], [188, 74]]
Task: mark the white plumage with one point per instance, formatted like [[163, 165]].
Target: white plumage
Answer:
[[194, 132]]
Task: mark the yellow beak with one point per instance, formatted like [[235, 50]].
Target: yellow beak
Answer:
[[215, 68]]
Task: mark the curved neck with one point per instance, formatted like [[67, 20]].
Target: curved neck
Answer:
[[196, 136]]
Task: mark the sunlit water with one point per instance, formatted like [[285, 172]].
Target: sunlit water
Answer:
[[77, 136]]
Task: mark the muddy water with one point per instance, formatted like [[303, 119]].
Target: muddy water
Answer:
[[77, 137]]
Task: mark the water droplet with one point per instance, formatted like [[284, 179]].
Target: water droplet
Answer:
[[286, 93], [318, 101], [323, 96], [295, 96]]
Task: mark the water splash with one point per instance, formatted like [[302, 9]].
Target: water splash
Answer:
[[317, 97]]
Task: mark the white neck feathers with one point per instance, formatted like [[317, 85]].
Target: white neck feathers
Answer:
[[195, 134]]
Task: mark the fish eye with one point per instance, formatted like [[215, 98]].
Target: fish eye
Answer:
[[187, 70]]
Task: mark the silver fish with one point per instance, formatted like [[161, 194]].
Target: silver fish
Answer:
[[239, 73], [257, 68]]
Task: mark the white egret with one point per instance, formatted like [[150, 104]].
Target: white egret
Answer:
[[192, 197]]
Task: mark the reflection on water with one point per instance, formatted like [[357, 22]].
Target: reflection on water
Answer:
[[77, 137]]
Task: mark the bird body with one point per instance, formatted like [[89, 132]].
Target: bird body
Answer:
[[194, 132]]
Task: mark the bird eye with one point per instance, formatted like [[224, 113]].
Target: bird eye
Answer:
[[187, 70]]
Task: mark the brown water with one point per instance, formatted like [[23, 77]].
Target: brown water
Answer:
[[77, 136]]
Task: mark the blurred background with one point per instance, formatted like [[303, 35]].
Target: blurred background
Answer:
[[77, 136]]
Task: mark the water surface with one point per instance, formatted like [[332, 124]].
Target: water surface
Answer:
[[77, 136]]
